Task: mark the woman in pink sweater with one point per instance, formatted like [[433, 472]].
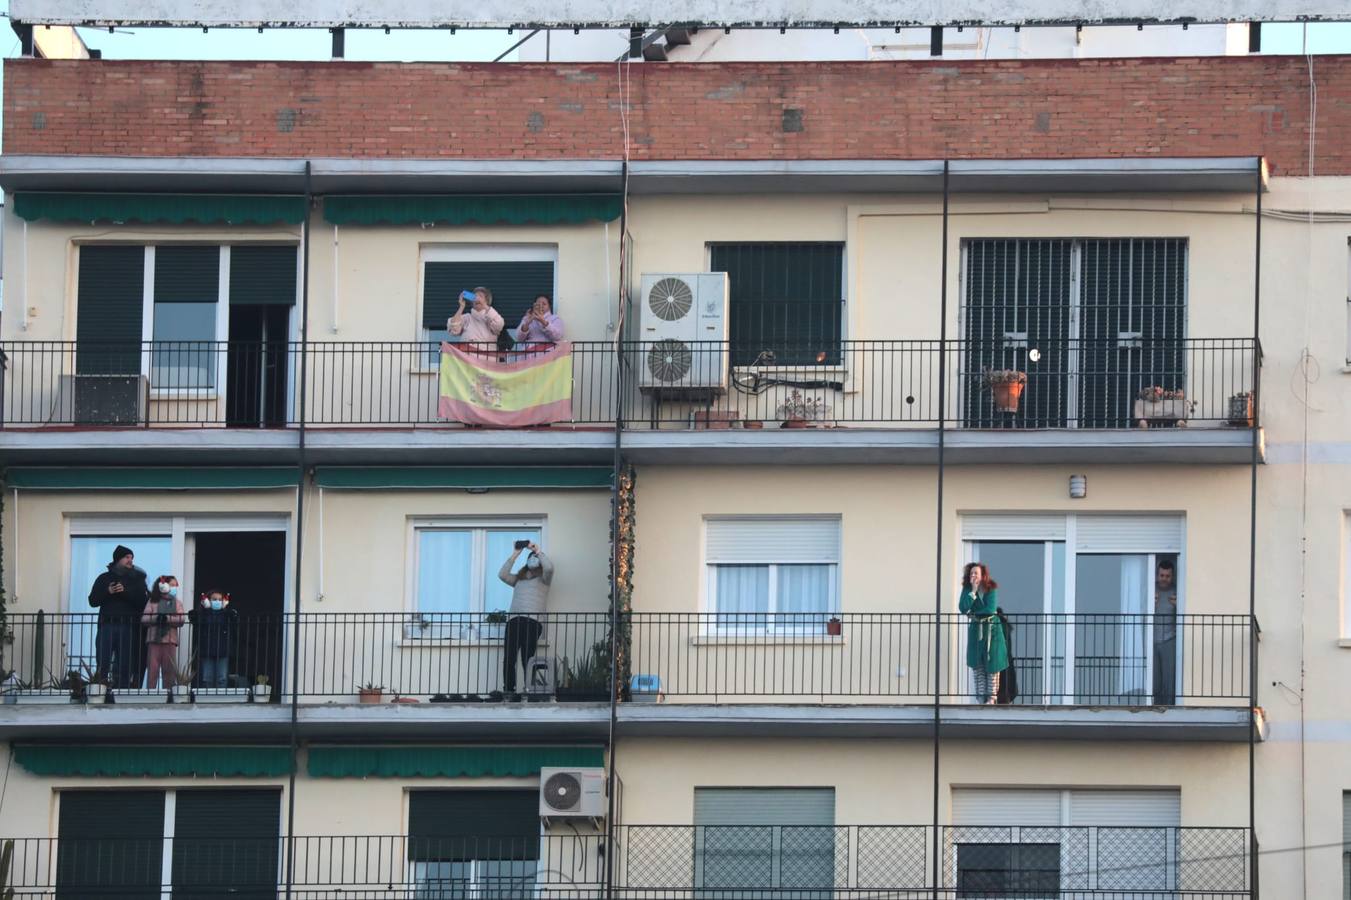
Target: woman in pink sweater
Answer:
[[162, 618], [481, 327]]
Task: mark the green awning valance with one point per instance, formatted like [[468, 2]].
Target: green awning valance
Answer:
[[445, 762], [175, 209], [157, 761], [477, 209], [376, 477], [74, 478]]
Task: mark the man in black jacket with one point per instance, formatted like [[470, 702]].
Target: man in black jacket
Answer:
[[120, 594]]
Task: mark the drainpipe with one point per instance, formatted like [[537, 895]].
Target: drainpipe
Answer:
[[938, 537]]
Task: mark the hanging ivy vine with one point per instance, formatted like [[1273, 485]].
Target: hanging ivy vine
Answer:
[[621, 561]]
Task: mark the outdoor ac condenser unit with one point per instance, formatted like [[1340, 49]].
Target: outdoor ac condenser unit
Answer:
[[572, 793], [683, 324], [102, 400]]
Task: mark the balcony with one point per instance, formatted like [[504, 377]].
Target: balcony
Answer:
[[872, 674], [883, 401]]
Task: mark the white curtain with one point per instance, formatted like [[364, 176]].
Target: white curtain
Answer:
[[1135, 632], [805, 589], [445, 560], [742, 589]]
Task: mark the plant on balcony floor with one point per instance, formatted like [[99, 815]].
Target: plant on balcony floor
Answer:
[[370, 692], [1160, 407], [1006, 387], [797, 411], [589, 678]]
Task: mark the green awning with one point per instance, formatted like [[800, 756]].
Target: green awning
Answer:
[[74, 478], [445, 762], [175, 209], [153, 761], [476, 209], [376, 477]]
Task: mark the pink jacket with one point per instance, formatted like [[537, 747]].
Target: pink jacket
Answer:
[[477, 327], [167, 633]]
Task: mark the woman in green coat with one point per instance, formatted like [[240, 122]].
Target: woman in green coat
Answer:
[[986, 652]]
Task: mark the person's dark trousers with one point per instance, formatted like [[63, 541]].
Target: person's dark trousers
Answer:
[[1165, 672], [119, 663], [522, 637]]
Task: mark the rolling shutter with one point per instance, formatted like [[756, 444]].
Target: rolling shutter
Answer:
[[806, 540], [764, 806], [110, 844], [785, 296], [765, 838], [1128, 534], [226, 841], [1004, 807], [1126, 808], [263, 275], [1000, 527], [452, 826], [187, 273], [109, 301], [514, 284], [1087, 807]]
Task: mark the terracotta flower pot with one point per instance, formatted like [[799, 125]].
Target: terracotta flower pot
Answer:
[[368, 696], [1007, 395], [834, 627], [795, 423]]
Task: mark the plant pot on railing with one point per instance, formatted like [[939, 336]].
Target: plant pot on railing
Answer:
[[834, 627], [1006, 388], [1241, 413], [1157, 407], [797, 411]]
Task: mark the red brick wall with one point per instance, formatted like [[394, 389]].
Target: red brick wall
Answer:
[[1236, 106]]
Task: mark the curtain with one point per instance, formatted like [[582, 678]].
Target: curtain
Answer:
[[445, 566], [805, 591], [1135, 632]]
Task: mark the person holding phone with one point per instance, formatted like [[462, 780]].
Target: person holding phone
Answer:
[[482, 325], [120, 595], [987, 652], [525, 619]]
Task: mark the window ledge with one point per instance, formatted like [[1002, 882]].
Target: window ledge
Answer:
[[783, 640], [423, 370], [184, 394], [1344, 642], [817, 371], [412, 643]]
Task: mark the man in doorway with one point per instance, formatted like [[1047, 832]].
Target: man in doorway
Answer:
[[120, 595], [1165, 633]]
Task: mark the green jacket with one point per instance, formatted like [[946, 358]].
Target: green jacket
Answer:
[[985, 647]]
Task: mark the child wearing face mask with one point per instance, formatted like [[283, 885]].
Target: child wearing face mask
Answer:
[[162, 617], [215, 624]]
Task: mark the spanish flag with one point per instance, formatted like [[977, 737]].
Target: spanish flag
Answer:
[[532, 388]]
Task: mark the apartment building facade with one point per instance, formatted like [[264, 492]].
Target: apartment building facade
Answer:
[[834, 330]]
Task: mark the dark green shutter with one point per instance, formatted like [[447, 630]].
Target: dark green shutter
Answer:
[[458, 825], [110, 298], [785, 297], [226, 841], [110, 844], [515, 285], [263, 275], [187, 274]]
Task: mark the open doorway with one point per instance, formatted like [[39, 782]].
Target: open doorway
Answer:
[[256, 366], [249, 566]]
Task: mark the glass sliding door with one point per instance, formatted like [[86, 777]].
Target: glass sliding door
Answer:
[[1114, 596]]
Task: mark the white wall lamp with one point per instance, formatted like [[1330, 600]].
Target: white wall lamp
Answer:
[[1078, 487]]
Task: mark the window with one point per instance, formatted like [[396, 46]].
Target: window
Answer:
[[787, 298], [481, 844], [772, 574], [765, 839], [89, 558], [457, 565], [1105, 317], [112, 843], [515, 273], [184, 327], [1092, 621], [1008, 870]]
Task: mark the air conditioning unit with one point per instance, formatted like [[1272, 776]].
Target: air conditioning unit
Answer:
[[572, 793], [102, 399], [683, 324]]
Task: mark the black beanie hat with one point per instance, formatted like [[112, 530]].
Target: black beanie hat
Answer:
[[119, 551]]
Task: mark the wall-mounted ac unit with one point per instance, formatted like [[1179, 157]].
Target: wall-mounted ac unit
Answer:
[[572, 793], [102, 400], [683, 326]]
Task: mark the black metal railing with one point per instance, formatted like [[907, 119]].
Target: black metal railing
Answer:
[[441, 657], [770, 383], [1083, 659], [374, 866], [821, 861]]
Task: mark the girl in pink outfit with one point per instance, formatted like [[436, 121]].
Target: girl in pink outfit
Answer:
[[483, 324], [162, 618]]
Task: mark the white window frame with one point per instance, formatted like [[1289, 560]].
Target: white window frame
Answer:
[[217, 391], [514, 252], [481, 568], [712, 625]]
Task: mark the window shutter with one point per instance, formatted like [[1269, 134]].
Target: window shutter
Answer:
[[110, 844], [263, 275], [1128, 534], [449, 826], [784, 296], [109, 301], [764, 806], [999, 527], [996, 807], [737, 845], [805, 540], [1126, 808], [187, 274], [514, 284], [226, 841]]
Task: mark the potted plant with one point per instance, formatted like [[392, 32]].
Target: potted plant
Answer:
[[587, 680], [797, 411], [834, 627], [715, 419], [1157, 406], [181, 691], [370, 692], [261, 691], [1006, 387], [494, 625], [1241, 410]]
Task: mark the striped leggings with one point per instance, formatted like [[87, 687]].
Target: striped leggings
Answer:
[[986, 685]]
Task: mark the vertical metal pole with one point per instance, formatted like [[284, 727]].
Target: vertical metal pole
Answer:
[[300, 542], [939, 586], [1252, 541]]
